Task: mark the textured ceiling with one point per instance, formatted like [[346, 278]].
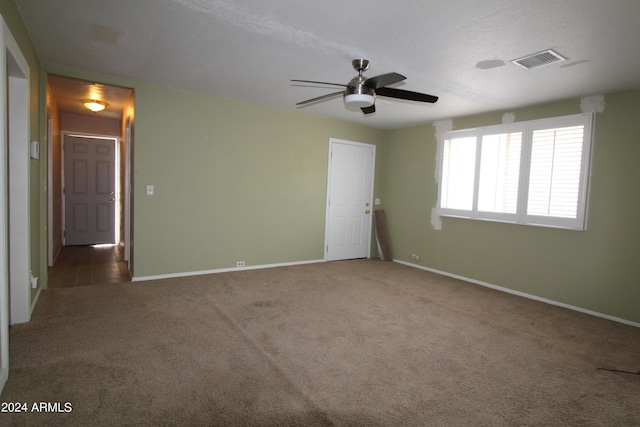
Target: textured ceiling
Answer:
[[459, 50]]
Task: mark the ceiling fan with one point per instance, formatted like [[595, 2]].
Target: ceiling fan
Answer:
[[361, 91]]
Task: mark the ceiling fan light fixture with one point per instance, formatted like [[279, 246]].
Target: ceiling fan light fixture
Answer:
[[361, 92], [94, 105], [358, 100]]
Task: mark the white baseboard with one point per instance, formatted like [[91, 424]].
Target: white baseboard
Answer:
[[35, 301], [522, 294], [222, 270]]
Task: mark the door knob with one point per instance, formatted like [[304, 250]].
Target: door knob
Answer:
[[112, 200], [367, 211]]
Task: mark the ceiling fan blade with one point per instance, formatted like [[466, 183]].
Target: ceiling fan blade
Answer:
[[320, 98], [370, 109], [319, 83], [405, 94], [383, 80]]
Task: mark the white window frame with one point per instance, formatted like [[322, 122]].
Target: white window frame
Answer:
[[527, 129]]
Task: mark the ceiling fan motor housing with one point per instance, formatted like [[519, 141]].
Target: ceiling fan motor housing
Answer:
[[357, 95], [356, 86]]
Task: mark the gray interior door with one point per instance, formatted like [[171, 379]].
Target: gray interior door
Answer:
[[89, 190]]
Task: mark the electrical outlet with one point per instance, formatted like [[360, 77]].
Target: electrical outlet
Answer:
[[34, 280], [415, 257], [240, 264]]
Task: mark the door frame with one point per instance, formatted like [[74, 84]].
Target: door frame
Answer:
[[127, 194], [118, 202], [332, 142], [15, 258], [51, 255]]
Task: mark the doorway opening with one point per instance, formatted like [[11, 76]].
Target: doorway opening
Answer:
[[89, 182]]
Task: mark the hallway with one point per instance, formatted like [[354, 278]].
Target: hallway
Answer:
[[88, 265]]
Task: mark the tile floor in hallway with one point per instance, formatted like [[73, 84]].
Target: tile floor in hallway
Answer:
[[88, 265]]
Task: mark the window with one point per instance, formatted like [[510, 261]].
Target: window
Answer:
[[457, 180], [527, 173], [499, 173]]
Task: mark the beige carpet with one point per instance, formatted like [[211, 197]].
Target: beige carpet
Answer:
[[352, 343]]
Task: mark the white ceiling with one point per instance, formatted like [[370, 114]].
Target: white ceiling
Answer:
[[249, 50]]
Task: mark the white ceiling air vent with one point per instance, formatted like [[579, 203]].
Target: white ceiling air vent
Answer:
[[538, 59]]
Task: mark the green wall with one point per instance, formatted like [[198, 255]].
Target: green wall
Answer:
[[596, 269], [38, 168], [233, 182]]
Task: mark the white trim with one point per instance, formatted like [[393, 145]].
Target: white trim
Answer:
[[19, 177], [51, 252], [223, 270], [4, 238], [17, 107], [127, 194], [522, 294], [35, 299]]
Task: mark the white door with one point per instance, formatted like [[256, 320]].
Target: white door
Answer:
[[89, 190], [349, 196]]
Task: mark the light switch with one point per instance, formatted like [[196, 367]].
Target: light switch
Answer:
[[377, 202], [34, 150], [150, 190]]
